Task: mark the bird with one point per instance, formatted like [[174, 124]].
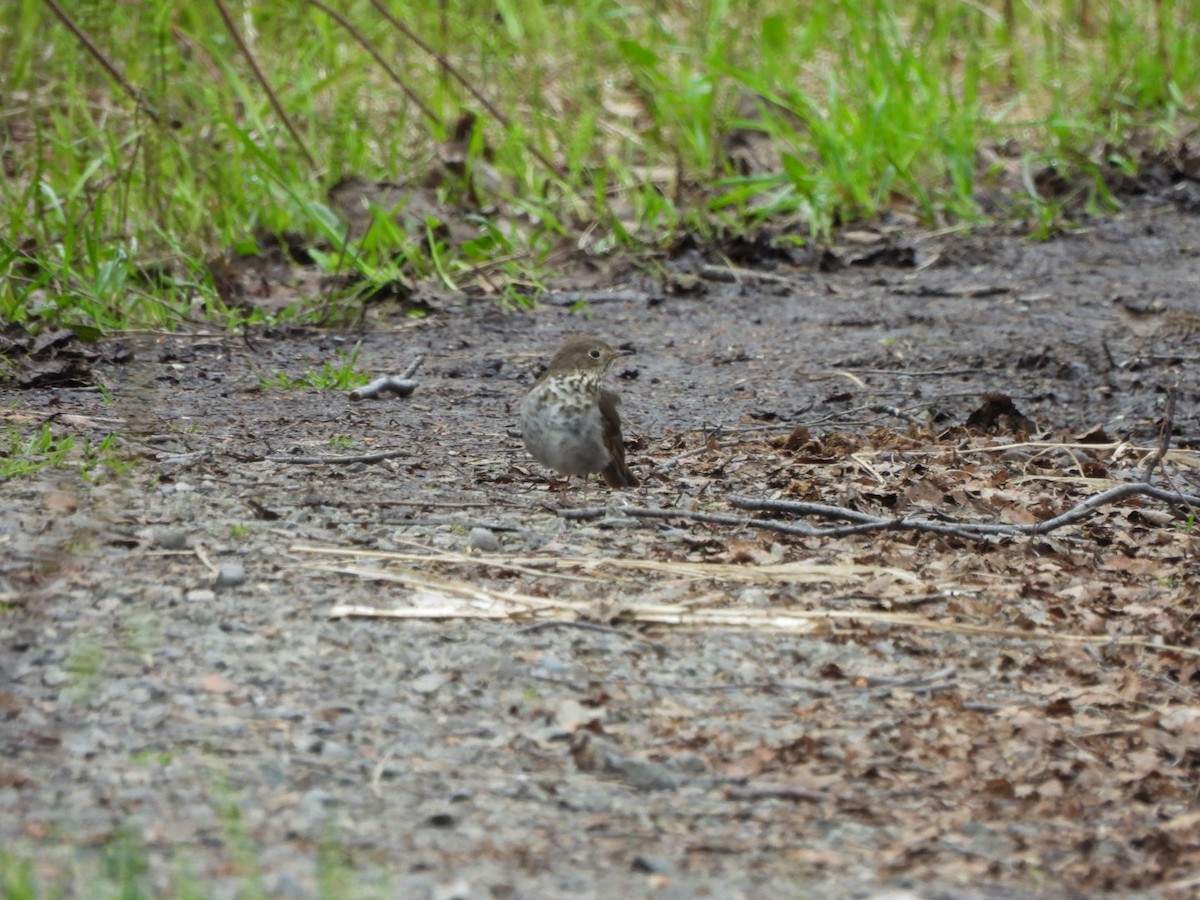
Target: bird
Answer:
[[569, 419]]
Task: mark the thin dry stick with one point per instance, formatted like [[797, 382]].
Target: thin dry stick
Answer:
[[964, 529], [447, 67], [336, 460], [1049, 445], [640, 512], [449, 558], [1164, 436], [382, 386], [262, 80], [974, 531], [97, 55], [583, 626], [800, 529], [517, 604], [370, 48], [786, 573], [728, 617]]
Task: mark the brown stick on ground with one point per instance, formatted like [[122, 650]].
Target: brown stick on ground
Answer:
[[402, 385], [1164, 436]]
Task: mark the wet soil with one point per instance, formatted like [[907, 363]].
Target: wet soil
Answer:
[[893, 710]]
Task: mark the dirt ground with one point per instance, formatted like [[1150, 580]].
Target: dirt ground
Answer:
[[599, 694]]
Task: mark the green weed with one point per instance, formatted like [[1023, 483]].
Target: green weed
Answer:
[[708, 116], [341, 375], [29, 452]]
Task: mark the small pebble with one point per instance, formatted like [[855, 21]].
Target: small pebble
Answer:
[[459, 890], [483, 540], [172, 539], [230, 574], [201, 595], [644, 774], [651, 865], [690, 763], [428, 683]]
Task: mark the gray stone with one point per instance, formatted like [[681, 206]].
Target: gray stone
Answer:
[[230, 574], [483, 540], [171, 539]]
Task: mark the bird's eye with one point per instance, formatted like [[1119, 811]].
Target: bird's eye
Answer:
[[594, 354]]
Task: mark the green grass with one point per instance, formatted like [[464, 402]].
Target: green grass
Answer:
[[119, 868], [28, 451], [607, 124], [341, 374]]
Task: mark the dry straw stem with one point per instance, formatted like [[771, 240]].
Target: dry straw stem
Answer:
[[777, 573], [450, 598]]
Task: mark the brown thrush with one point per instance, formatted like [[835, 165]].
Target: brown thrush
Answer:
[[569, 420]]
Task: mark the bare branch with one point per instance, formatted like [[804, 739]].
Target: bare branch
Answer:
[[448, 67], [104, 61], [370, 48], [1164, 436], [262, 79], [972, 531], [386, 384]]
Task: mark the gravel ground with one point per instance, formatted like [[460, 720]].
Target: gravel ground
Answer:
[[175, 694]]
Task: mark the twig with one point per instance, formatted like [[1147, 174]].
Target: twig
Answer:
[[1164, 436], [898, 373], [412, 367], [813, 509], [799, 529], [198, 550], [494, 605], [262, 80], [771, 687], [370, 48], [977, 706], [734, 274], [591, 298], [377, 773], [585, 626], [971, 530], [779, 792], [97, 55], [382, 386], [913, 682], [431, 504], [1104, 497], [401, 384], [337, 460], [458, 76], [864, 523]]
